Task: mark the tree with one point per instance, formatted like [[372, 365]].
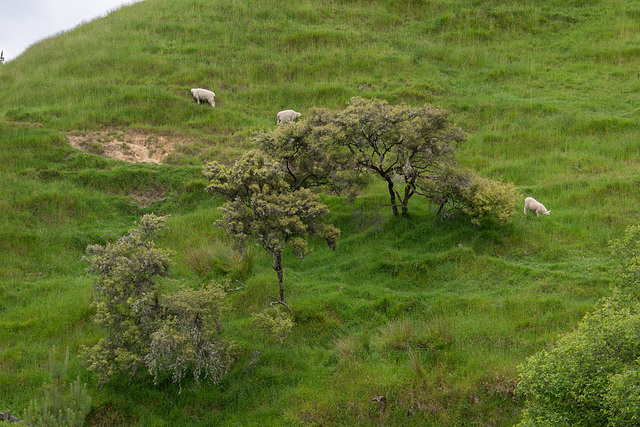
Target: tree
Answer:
[[262, 204], [400, 144], [144, 327], [309, 157], [412, 149]]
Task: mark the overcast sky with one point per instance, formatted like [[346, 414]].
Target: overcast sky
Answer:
[[25, 22]]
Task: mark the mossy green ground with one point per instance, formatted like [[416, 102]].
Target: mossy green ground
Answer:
[[435, 315]]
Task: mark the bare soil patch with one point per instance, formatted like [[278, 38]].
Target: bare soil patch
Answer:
[[144, 198], [131, 146]]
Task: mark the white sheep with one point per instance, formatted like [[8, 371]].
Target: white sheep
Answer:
[[532, 204], [204, 95], [287, 116]]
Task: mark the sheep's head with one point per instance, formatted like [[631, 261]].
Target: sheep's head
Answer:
[[547, 213]]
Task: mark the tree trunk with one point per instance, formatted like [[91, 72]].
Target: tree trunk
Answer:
[[393, 198], [405, 202], [277, 266]]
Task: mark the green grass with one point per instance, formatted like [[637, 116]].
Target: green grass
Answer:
[[435, 315]]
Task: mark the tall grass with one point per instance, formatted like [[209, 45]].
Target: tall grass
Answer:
[[435, 315]]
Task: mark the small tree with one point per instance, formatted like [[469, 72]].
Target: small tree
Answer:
[[262, 204], [400, 144], [188, 337], [127, 300], [309, 157], [145, 328]]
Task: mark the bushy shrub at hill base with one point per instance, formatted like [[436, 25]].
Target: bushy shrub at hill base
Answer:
[[591, 376], [168, 334]]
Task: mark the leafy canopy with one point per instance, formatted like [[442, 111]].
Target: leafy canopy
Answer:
[[398, 143], [309, 157], [411, 149], [263, 205], [144, 328]]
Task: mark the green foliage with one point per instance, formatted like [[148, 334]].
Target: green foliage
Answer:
[[485, 198], [273, 326], [309, 158], [261, 204], [622, 401], [186, 338], [60, 407], [627, 253], [175, 333], [477, 197], [411, 149], [400, 144], [127, 300], [589, 377]]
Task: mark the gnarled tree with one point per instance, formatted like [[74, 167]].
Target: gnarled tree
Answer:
[[400, 144], [262, 204]]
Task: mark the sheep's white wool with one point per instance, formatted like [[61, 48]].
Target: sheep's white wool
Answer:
[[204, 95], [287, 116], [531, 204]]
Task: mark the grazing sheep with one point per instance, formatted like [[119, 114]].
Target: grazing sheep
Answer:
[[533, 205], [204, 95], [287, 116]]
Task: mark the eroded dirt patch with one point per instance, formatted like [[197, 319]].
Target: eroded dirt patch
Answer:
[[144, 198], [131, 146]]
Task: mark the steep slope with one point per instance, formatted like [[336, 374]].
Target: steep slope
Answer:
[[434, 315]]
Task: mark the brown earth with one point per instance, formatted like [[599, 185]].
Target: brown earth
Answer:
[[131, 146]]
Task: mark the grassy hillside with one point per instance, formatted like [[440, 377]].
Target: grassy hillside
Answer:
[[434, 315]]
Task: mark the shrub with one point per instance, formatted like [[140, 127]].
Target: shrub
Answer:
[[590, 376], [165, 333], [186, 338], [60, 407], [273, 326], [486, 198]]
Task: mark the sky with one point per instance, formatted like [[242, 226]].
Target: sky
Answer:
[[25, 22]]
